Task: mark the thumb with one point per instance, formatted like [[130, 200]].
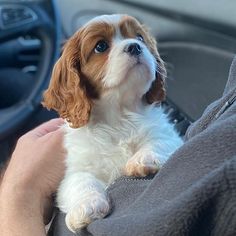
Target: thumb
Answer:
[[46, 128]]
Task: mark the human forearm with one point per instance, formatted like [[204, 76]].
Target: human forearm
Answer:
[[21, 213]]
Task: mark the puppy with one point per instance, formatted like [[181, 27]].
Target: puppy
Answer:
[[107, 86]]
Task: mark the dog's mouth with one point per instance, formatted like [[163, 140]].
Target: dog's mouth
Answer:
[[139, 63]]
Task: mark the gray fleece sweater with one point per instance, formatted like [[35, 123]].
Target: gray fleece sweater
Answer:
[[193, 194]]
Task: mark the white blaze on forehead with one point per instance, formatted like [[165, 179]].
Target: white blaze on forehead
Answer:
[[110, 19]]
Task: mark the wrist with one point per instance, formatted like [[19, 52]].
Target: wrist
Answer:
[[19, 195], [15, 198], [21, 212]]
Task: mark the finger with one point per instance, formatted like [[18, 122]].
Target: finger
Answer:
[[46, 128], [55, 136]]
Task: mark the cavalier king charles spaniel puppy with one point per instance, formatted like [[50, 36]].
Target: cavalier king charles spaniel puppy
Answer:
[[108, 85]]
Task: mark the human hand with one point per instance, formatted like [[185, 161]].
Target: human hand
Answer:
[[35, 170]]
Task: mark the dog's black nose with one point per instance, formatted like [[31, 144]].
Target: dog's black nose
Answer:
[[133, 49]]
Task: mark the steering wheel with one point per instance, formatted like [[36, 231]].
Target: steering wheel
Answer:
[[38, 18]]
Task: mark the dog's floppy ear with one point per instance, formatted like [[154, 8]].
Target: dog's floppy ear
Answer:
[[157, 92], [67, 93]]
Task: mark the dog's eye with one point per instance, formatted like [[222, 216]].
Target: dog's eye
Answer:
[[101, 46], [139, 37]]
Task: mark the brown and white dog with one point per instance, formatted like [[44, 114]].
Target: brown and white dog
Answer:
[[107, 85]]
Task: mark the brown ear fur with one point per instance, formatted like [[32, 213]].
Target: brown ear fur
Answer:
[[67, 92], [157, 92]]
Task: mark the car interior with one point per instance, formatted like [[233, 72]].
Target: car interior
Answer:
[[196, 40]]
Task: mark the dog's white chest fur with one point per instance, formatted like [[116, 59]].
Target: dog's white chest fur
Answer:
[[104, 150], [98, 153]]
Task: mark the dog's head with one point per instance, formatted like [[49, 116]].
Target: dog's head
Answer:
[[111, 54]]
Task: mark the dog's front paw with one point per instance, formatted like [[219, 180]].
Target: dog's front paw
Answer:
[[142, 164], [89, 209]]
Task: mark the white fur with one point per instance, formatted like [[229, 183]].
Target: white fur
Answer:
[[123, 133], [110, 19]]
